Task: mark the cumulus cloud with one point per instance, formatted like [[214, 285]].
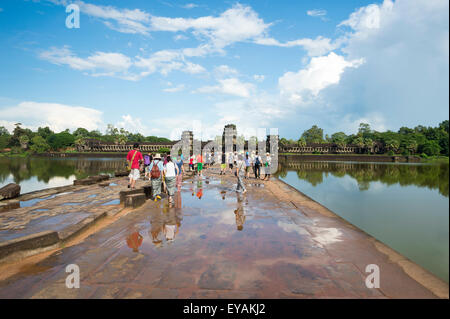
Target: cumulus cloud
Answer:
[[406, 74], [230, 86], [219, 31], [320, 73], [56, 116]]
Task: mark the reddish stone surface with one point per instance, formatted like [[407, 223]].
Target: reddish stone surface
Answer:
[[193, 249]]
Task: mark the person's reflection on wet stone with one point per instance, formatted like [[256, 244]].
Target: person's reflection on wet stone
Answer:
[[223, 193], [199, 190], [156, 227], [134, 241], [171, 223], [239, 215]]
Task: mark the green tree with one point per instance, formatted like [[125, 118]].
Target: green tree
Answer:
[[302, 142], [60, 140], [24, 140], [4, 131], [313, 135], [39, 145], [45, 132], [364, 129], [80, 132], [339, 139], [431, 148]]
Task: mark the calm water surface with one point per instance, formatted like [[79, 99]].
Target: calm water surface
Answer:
[[406, 206], [34, 173]]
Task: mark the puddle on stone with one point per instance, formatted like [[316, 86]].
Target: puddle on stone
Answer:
[[112, 184], [92, 196], [34, 201], [55, 223], [39, 210], [72, 204], [112, 202]]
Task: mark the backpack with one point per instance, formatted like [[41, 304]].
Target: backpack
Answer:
[[155, 173], [257, 161]]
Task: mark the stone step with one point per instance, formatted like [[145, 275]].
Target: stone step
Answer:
[[135, 200], [124, 194], [9, 191]]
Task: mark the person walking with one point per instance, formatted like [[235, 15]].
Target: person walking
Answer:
[[223, 164], [257, 166], [170, 174], [147, 161], [240, 166], [267, 165], [134, 157], [200, 164], [156, 171], [247, 166], [180, 172], [191, 163], [230, 161]]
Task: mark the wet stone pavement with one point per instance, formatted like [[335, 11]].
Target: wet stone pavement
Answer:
[[215, 243]]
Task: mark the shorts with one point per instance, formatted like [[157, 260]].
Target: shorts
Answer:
[[230, 166], [199, 166], [223, 166], [135, 174], [247, 169]]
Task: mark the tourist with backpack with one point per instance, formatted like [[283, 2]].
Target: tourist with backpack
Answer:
[[156, 171], [147, 161], [134, 157], [258, 163], [170, 174]]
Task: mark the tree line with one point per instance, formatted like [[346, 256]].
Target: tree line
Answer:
[[44, 139], [426, 141]]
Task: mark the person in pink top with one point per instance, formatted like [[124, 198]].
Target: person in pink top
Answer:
[[134, 158]]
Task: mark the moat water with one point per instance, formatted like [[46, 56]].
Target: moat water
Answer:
[[406, 206]]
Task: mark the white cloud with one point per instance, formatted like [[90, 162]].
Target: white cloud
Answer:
[[230, 86], [316, 13], [225, 70], [314, 47], [180, 37], [259, 77], [190, 6], [173, 89], [406, 74], [132, 124], [320, 73], [56, 116], [219, 32], [119, 65], [101, 62]]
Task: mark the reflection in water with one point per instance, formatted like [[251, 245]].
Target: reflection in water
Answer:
[[34, 173], [239, 214], [134, 241], [403, 205], [199, 189], [432, 176], [166, 222]]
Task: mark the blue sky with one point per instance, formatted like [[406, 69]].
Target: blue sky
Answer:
[[157, 66]]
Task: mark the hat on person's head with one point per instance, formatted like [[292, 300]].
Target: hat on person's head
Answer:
[[157, 156]]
